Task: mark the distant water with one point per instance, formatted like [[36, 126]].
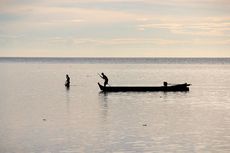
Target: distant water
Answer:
[[118, 60], [39, 115]]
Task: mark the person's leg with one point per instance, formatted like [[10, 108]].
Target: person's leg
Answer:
[[106, 82]]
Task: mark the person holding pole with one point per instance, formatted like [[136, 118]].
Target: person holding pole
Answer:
[[103, 76]]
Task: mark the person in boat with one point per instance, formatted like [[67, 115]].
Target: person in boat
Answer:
[[165, 84], [67, 83], [103, 76]]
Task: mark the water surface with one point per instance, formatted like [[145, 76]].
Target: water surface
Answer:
[[39, 115]]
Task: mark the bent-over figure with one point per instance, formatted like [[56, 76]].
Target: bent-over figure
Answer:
[[103, 76], [67, 83]]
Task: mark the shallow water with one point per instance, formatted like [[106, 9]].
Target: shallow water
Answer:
[[39, 115]]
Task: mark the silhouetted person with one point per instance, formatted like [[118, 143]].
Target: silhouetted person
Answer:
[[165, 84], [103, 76], [67, 83]]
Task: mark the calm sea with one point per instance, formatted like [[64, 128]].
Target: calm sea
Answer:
[[39, 115]]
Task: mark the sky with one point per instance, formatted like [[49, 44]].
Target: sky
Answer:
[[114, 28]]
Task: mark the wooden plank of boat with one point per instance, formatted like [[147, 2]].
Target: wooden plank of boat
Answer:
[[177, 87]]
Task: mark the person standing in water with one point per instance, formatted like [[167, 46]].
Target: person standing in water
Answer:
[[103, 76], [67, 83]]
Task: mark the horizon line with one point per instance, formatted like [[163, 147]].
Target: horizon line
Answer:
[[109, 57]]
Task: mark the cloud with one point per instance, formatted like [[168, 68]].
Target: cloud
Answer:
[[208, 26], [149, 2], [113, 24], [51, 14], [36, 17], [136, 41]]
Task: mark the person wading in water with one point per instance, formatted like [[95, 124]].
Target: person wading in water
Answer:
[[67, 83], [103, 76]]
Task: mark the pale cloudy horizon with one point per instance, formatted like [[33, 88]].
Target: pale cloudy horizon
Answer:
[[115, 28]]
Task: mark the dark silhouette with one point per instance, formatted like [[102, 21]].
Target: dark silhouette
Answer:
[[67, 83], [103, 76], [165, 84], [175, 87]]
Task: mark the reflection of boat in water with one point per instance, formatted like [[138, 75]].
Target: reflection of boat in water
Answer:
[[176, 87]]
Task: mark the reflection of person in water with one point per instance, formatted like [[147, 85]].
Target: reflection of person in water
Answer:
[[103, 76], [67, 83]]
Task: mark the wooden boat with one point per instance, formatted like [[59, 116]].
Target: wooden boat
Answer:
[[177, 87]]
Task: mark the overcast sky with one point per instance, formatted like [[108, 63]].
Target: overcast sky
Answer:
[[115, 28]]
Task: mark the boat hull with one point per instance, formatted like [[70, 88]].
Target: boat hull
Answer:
[[178, 87]]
